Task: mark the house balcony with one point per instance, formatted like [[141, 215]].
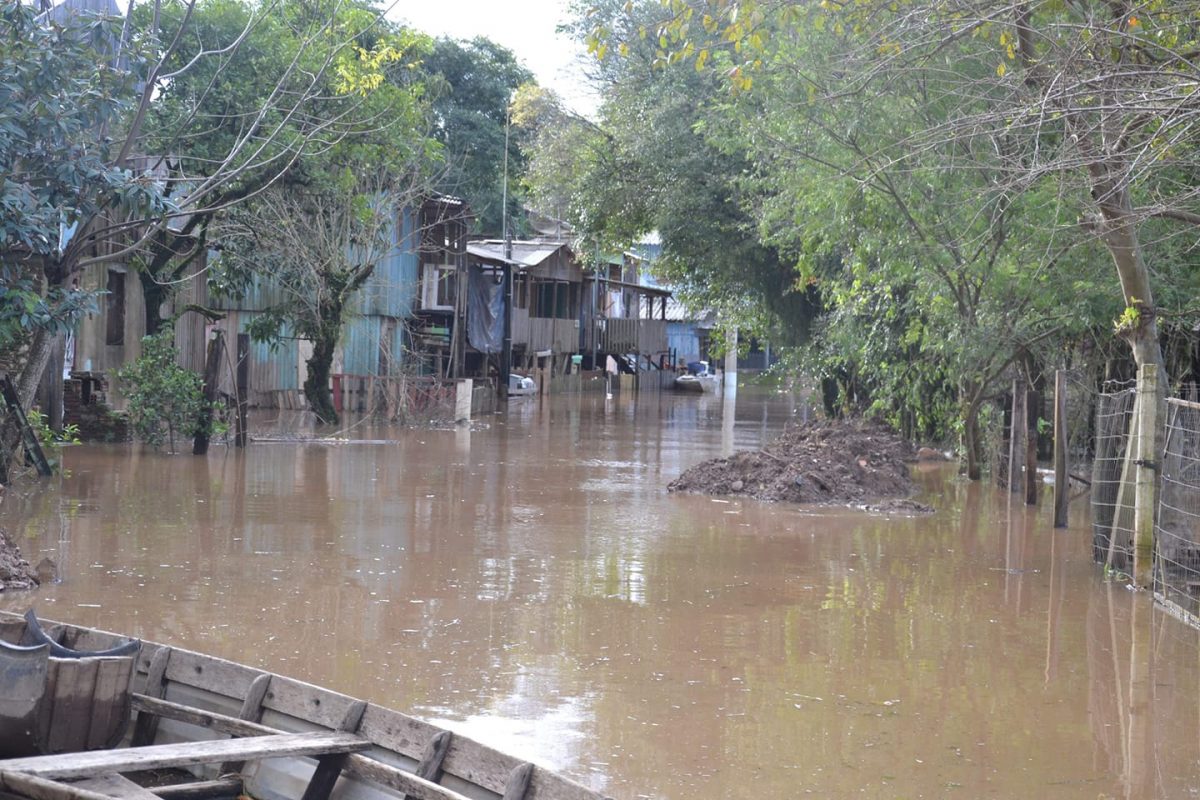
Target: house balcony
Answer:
[[622, 335]]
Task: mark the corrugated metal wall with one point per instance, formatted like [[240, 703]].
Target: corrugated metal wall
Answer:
[[392, 289], [682, 338], [376, 313], [360, 346]]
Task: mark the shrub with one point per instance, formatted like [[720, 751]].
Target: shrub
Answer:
[[164, 399]]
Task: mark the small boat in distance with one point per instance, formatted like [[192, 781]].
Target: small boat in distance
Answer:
[[697, 379], [520, 386], [202, 727]]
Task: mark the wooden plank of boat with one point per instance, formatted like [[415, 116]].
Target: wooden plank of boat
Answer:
[[421, 785], [154, 686], [38, 788], [252, 711], [199, 697], [329, 767], [200, 790], [115, 785], [183, 754], [87, 703]]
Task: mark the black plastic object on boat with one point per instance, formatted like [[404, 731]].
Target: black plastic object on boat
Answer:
[[23, 677], [36, 635]]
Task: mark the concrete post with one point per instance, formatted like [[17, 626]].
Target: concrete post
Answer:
[[730, 378], [462, 400]]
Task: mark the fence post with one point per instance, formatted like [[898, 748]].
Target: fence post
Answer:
[[1032, 413], [242, 388], [212, 380], [1145, 476], [1016, 432], [1062, 489]]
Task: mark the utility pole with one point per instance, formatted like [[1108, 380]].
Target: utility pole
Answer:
[[507, 290], [506, 342]]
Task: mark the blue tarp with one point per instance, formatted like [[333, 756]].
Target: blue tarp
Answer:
[[485, 311]]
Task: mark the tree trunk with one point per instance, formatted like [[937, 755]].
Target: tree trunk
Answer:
[[36, 361], [153, 295], [316, 385], [971, 403], [1121, 239], [1140, 329]]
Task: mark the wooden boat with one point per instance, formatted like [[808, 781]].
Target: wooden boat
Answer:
[[202, 727]]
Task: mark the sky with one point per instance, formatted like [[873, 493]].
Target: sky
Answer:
[[527, 27]]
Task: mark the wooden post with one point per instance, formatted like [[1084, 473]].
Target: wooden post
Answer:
[[1062, 472], [1145, 476], [33, 449], [212, 366], [1031, 440], [1015, 427], [243, 387]]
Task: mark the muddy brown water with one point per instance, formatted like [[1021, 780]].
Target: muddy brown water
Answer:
[[531, 584]]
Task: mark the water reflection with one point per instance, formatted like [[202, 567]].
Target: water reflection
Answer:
[[529, 582]]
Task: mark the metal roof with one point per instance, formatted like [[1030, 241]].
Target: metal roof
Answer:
[[62, 12], [525, 254], [678, 312], [640, 287]]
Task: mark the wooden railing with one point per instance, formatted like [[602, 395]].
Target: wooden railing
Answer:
[[559, 335], [542, 333], [646, 336]]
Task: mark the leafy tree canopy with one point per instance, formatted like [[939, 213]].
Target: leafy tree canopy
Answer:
[[474, 82]]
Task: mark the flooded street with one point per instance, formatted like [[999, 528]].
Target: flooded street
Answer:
[[531, 584]]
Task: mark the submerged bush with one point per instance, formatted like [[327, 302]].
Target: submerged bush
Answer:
[[165, 399]]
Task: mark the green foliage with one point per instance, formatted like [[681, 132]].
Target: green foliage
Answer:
[[60, 91], [52, 441], [1130, 318], [862, 143], [165, 400], [25, 307], [654, 161], [472, 85]]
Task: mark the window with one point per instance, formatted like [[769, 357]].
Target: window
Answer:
[[521, 291], [438, 286], [114, 309]]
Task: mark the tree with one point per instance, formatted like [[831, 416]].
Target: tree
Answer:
[[1098, 96], [477, 81], [318, 233], [165, 400], [318, 248], [60, 89], [959, 143], [187, 144], [647, 164]]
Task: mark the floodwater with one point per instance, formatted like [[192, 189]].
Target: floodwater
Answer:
[[531, 584]]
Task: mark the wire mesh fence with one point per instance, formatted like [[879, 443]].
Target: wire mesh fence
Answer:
[[1177, 527], [1112, 494]]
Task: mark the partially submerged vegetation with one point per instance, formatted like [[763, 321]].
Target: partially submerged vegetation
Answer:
[[923, 201], [226, 145]]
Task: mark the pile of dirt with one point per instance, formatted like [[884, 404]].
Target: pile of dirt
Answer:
[[857, 462], [15, 572]]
